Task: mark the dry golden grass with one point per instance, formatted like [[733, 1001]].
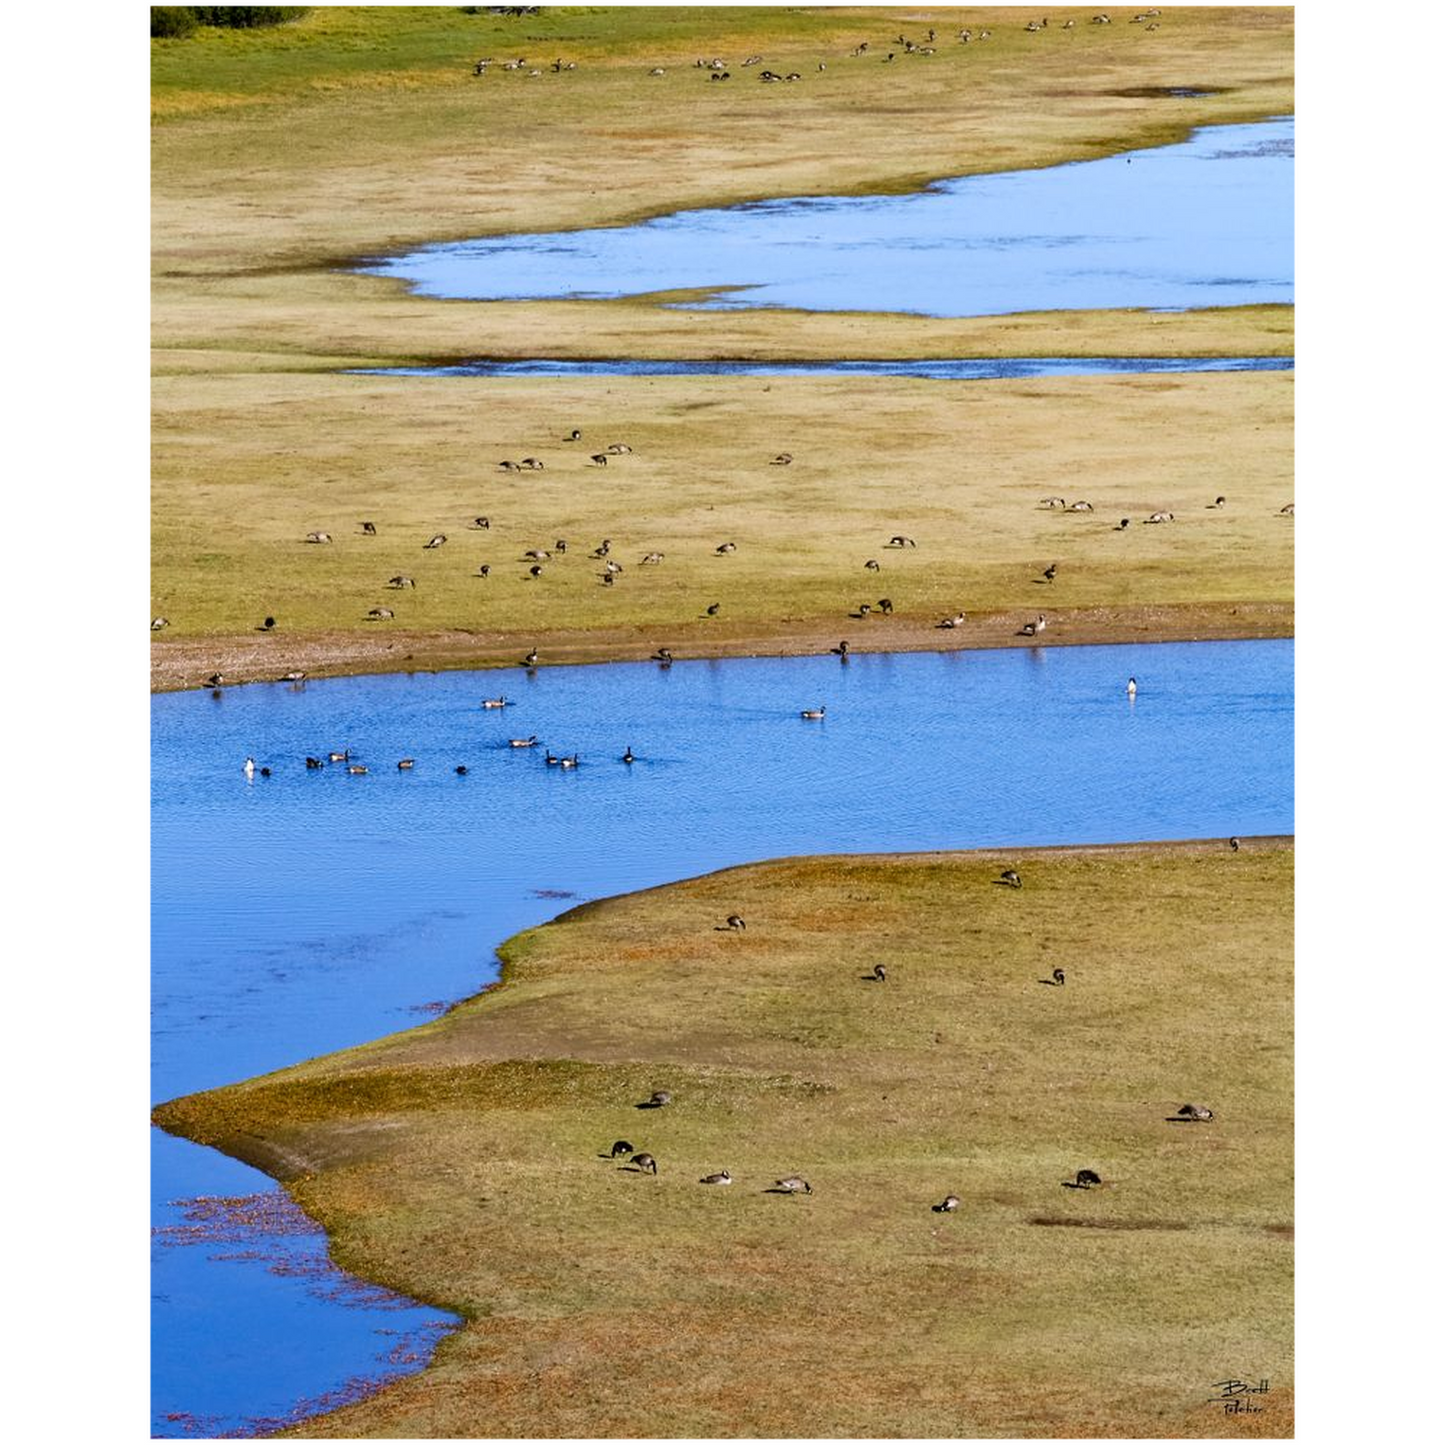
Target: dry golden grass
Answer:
[[459, 1162]]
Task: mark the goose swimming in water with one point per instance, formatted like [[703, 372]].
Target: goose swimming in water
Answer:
[[1011, 878], [1132, 688], [629, 756], [530, 742], [949, 1204], [551, 759], [722, 1177], [813, 713], [494, 701], [567, 762], [406, 763], [357, 769], [461, 770], [339, 757], [314, 763], [645, 1162], [249, 767]]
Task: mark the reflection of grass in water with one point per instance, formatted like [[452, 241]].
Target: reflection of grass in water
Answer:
[[459, 1161]]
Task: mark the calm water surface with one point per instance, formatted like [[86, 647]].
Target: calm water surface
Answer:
[[935, 370], [310, 910], [1207, 222]]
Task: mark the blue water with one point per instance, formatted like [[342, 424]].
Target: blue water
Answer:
[[1207, 222], [299, 913], [937, 370]]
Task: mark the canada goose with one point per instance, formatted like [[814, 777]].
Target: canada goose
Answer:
[[619, 449], [406, 764], [793, 1184], [598, 459], [1216, 503], [1059, 977], [722, 1177], [341, 757], [536, 554], [531, 464], [530, 742], [652, 559], [621, 1148], [782, 459], [357, 769], [657, 70], [603, 547], [530, 660], [484, 570], [612, 569], [461, 770], [1123, 524], [400, 581], [507, 466], [1159, 517], [753, 60], [575, 435], [1052, 502], [871, 565], [713, 609], [735, 922], [551, 759], [249, 767], [1086, 1178], [726, 548], [608, 580], [159, 622], [885, 604], [840, 651], [292, 677], [662, 655], [1287, 510], [267, 624], [560, 546], [494, 701], [949, 1204], [436, 541], [629, 756], [880, 973], [864, 609], [1032, 629], [720, 75], [567, 762], [901, 541], [318, 536], [380, 614], [1011, 878], [313, 763], [215, 679], [813, 714], [368, 529], [660, 1099], [1132, 688], [1197, 1113], [644, 1162], [482, 524], [1081, 507], [535, 570], [1051, 571]]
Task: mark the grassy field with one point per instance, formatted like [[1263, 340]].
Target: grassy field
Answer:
[[459, 1162], [279, 153]]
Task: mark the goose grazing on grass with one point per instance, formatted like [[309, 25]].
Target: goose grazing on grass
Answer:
[[536, 554], [1123, 525], [560, 546], [644, 1163], [619, 449], [1195, 1113], [813, 714], [494, 701], [482, 524], [880, 973], [1287, 510], [885, 604], [406, 764], [1052, 502], [1011, 878], [400, 582], [268, 624], [484, 570], [598, 459], [793, 1184], [612, 569], [602, 548], [368, 529], [652, 559], [1081, 507], [735, 922], [380, 614], [1132, 689], [159, 622], [864, 609], [660, 1099], [620, 1150], [1158, 517], [1059, 977], [871, 565], [530, 742], [531, 464], [318, 536], [1086, 1179], [722, 1177], [782, 459], [725, 548], [436, 541], [249, 768], [1234, 845], [901, 541], [949, 1204]]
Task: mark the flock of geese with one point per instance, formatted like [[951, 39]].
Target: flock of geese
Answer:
[[640, 1161]]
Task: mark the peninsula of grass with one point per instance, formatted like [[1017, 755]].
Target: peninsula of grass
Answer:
[[283, 156], [464, 1162]]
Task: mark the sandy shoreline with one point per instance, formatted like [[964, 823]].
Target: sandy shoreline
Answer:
[[180, 663]]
